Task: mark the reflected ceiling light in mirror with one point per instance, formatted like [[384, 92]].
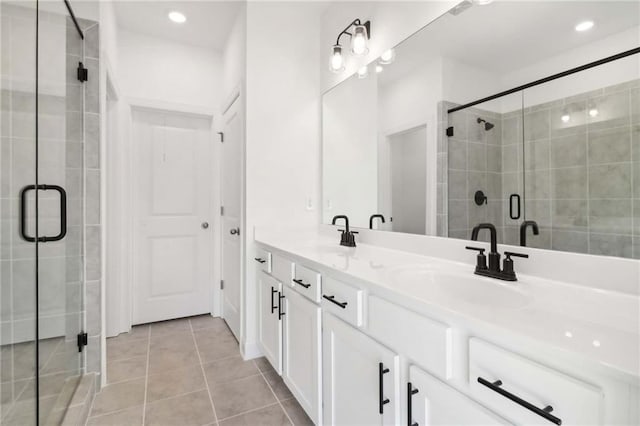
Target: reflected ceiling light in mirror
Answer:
[[584, 26], [565, 118], [379, 68], [362, 72], [568, 334], [336, 64], [177, 17], [593, 112], [596, 343], [482, 2], [359, 43], [388, 56]]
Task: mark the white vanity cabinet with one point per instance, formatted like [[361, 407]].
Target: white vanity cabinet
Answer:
[[302, 363], [360, 378], [431, 402], [270, 318]]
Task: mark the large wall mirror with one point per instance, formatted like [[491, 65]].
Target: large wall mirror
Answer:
[[430, 139]]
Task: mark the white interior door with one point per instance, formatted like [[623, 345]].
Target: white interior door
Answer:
[[173, 243], [231, 199]]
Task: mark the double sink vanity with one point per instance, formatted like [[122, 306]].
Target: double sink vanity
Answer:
[[399, 330]]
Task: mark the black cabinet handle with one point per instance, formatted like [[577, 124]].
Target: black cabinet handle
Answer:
[[23, 212], [302, 283], [542, 412], [513, 215], [273, 308], [280, 313], [259, 260], [383, 401], [410, 392], [331, 299]]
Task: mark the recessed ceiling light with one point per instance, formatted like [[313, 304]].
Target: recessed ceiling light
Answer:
[[584, 26], [177, 17], [379, 68], [362, 72]]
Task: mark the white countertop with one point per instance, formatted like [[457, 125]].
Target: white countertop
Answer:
[[600, 325]]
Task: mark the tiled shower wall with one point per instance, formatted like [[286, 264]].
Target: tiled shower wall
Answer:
[[581, 174]]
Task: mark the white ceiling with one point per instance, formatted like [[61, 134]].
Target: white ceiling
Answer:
[[506, 36], [208, 22]]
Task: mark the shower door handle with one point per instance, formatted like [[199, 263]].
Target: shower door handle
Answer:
[[23, 212]]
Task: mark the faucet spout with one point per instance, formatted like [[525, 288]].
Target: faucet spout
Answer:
[[523, 231], [373, 216], [492, 231], [346, 221]]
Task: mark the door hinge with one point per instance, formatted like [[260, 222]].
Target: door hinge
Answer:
[[221, 210], [221, 284], [83, 340], [221, 137], [450, 131], [83, 73]]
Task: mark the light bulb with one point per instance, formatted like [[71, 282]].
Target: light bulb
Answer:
[[593, 112], [379, 68], [584, 26], [362, 72], [565, 118], [359, 41], [177, 17], [336, 63], [388, 56]]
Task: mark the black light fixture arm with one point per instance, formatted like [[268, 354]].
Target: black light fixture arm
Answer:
[[357, 21]]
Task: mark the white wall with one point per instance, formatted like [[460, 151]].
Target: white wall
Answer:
[[283, 124], [234, 56], [166, 71]]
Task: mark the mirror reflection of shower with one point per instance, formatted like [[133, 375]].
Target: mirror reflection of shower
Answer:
[[487, 126]]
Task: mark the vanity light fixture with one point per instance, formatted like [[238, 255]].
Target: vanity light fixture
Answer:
[[584, 26], [387, 57], [362, 72], [177, 17], [360, 36]]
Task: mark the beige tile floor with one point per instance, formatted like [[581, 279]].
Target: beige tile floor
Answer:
[[189, 372]]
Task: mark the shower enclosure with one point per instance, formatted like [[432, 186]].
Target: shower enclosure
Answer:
[[42, 211]]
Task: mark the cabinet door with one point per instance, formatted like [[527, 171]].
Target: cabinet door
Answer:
[[360, 377], [431, 402], [301, 368], [270, 294]]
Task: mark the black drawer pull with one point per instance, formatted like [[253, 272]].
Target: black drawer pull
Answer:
[[410, 392], [302, 283], [273, 308], [331, 299], [542, 412], [383, 401], [280, 313], [259, 260]]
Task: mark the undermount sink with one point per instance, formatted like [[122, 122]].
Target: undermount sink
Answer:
[[457, 287]]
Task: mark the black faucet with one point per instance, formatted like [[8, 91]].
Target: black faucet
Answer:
[[348, 238], [373, 216], [523, 231], [506, 273]]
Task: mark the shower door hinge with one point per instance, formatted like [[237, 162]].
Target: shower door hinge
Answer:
[[450, 131], [221, 137], [83, 73], [221, 284], [83, 340], [221, 210]]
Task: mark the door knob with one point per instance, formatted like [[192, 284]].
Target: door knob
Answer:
[[205, 225], [235, 231]]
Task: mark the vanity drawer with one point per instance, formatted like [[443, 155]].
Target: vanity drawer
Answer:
[[426, 341], [282, 269], [342, 300], [307, 282], [263, 259], [497, 375]]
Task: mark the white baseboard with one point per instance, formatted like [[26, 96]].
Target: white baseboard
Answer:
[[250, 350]]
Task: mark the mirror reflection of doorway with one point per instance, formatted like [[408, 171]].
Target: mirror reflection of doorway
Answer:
[[408, 161]]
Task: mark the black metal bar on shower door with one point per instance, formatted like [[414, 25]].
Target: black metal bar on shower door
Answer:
[[548, 79], [73, 18], [23, 213]]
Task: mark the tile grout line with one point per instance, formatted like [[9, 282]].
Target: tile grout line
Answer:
[[206, 382], [274, 393], [146, 377]]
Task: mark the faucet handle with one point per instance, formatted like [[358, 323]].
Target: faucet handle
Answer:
[[480, 249], [481, 260], [508, 254]]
